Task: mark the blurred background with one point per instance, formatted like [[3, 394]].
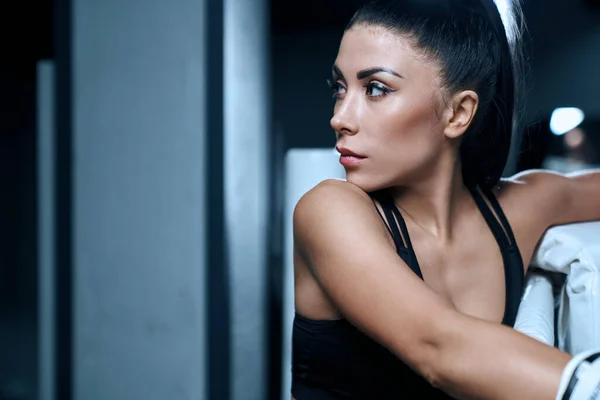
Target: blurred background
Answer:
[[143, 180]]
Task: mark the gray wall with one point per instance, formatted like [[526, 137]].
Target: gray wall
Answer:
[[246, 132], [139, 234]]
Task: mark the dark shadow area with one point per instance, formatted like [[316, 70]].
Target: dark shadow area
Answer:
[[25, 38]]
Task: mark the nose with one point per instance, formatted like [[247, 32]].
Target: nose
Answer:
[[345, 117]]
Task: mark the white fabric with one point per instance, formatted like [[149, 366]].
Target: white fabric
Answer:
[[586, 380], [536, 311], [574, 250]]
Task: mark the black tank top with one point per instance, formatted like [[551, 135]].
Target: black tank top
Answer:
[[331, 359]]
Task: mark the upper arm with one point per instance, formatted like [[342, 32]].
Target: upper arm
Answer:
[[341, 238], [557, 198]]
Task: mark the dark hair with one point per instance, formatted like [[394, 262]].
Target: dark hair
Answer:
[[475, 51]]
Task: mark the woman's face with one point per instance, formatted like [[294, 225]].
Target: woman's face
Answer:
[[389, 109]]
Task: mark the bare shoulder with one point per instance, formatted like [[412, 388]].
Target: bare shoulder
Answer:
[[533, 201], [537, 191], [533, 180], [332, 190], [333, 203], [555, 197]]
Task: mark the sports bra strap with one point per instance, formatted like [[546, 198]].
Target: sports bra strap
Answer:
[[501, 216], [392, 228], [495, 225]]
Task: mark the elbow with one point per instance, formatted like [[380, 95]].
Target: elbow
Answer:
[[431, 368], [438, 361], [439, 379]]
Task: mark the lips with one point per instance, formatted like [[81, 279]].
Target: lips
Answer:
[[344, 152], [350, 159]]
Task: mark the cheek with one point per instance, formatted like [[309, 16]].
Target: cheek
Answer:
[[410, 136]]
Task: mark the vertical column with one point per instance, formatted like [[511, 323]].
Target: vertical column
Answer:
[[63, 202], [247, 159], [46, 226], [218, 271], [139, 180]]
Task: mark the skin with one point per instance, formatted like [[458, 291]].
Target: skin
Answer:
[[446, 327]]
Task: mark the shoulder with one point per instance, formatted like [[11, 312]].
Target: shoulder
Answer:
[[534, 180], [335, 209], [536, 192], [331, 196], [555, 197], [330, 187]]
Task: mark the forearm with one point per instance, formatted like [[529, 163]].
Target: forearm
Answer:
[[482, 360]]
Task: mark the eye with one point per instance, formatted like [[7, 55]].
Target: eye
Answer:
[[375, 89], [337, 88]]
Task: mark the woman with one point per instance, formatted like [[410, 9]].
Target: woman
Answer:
[[408, 275]]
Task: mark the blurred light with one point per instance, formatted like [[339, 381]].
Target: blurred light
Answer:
[[565, 119], [574, 138]]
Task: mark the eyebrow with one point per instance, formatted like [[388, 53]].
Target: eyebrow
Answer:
[[367, 72], [371, 71]]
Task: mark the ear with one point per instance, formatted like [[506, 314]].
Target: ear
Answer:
[[460, 113]]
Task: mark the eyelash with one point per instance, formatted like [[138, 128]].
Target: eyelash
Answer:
[[335, 86]]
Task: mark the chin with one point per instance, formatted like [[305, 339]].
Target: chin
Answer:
[[367, 183]]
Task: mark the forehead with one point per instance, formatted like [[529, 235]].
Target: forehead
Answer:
[[368, 46]]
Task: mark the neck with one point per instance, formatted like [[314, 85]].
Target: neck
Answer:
[[435, 202]]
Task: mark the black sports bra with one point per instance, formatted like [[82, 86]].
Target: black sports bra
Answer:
[[332, 359]]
